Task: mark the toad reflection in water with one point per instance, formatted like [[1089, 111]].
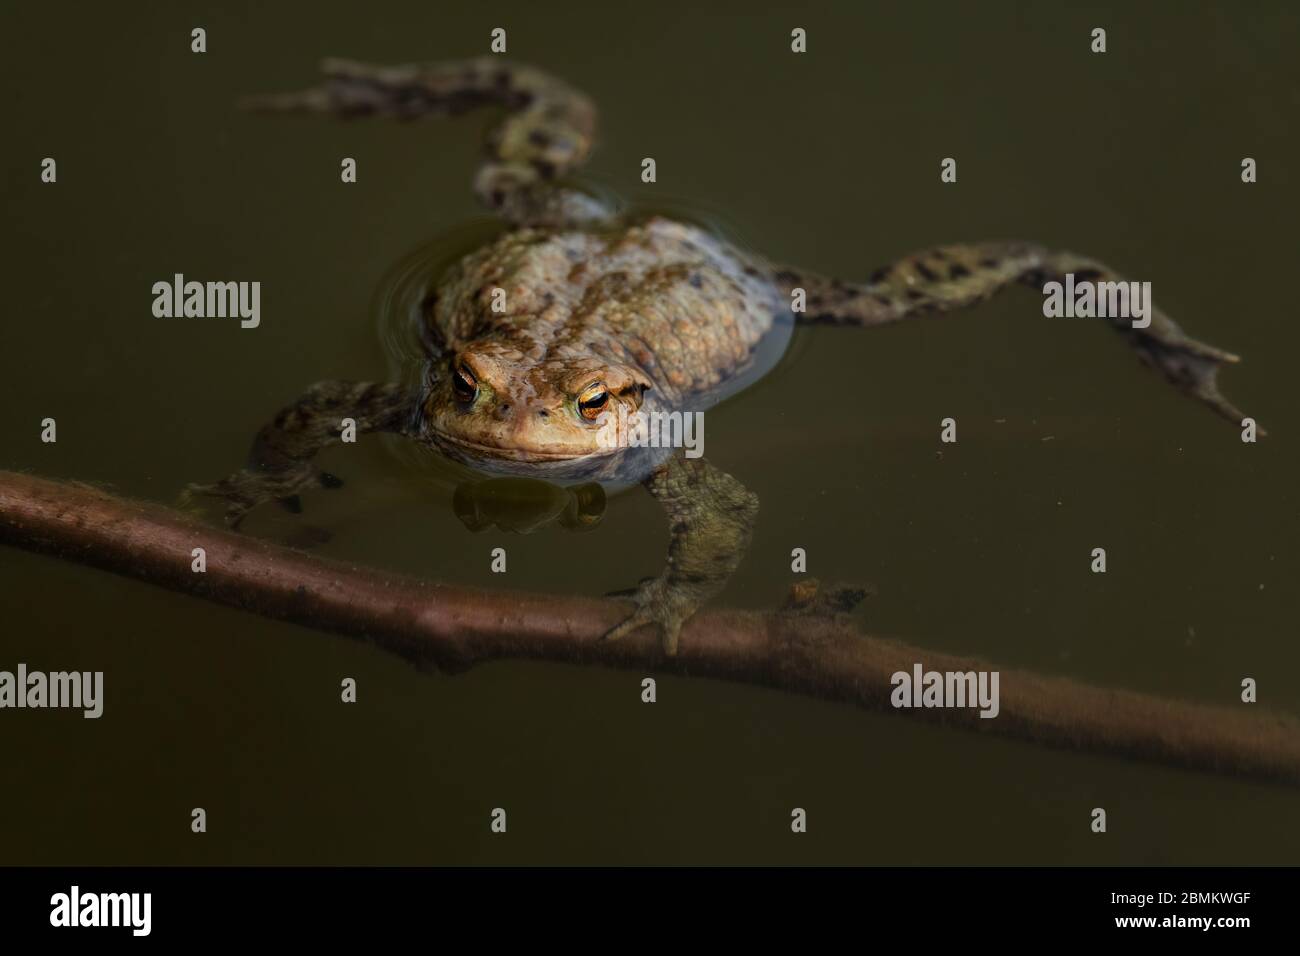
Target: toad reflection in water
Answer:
[[603, 316]]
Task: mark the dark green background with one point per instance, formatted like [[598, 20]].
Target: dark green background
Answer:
[[829, 160]]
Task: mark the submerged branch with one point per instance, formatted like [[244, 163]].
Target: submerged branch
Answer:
[[821, 655]]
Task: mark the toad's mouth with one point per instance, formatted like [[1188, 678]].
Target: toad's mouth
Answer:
[[516, 452]]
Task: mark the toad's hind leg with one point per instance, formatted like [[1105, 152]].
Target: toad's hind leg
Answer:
[[280, 462], [952, 277], [547, 131]]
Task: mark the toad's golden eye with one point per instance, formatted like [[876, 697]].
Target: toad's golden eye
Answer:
[[464, 384], [592, 400]]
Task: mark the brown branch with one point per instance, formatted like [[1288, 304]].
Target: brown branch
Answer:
[[818, 654]]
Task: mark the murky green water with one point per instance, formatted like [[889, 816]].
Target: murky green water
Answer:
[[829, 160]]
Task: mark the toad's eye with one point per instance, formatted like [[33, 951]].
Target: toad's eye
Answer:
[[464, 384], [592, 400]]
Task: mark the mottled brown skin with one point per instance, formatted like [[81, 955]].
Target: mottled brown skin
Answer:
[[663, 314], [537, 340]]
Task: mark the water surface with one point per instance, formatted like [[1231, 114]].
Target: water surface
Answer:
[[829, 160]]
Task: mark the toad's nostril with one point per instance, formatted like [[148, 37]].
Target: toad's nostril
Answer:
[[503, 411], [543, 413]]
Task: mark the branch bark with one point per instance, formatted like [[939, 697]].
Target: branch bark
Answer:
[[819, 654]]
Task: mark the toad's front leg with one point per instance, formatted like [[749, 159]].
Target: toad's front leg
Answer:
[[711, 518], [280, 462]]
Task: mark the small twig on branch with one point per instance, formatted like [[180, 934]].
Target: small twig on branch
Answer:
[[818, 654]]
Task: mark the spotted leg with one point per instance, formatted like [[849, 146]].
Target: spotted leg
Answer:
[[280, 463], [710, 519], [951, 277], [546, 133]]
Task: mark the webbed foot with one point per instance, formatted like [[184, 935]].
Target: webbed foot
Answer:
[[661, 603], [1193, 368], [247, 489]]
